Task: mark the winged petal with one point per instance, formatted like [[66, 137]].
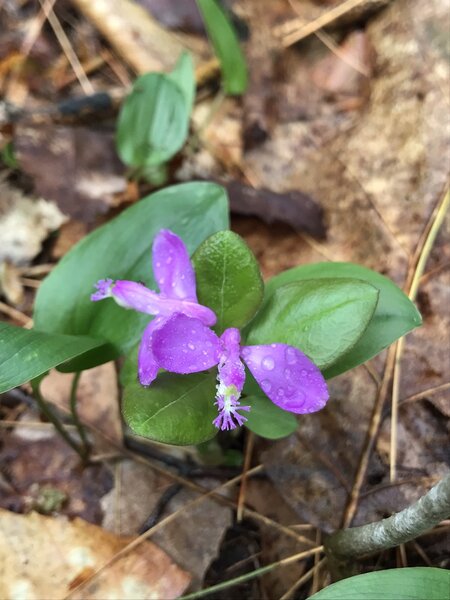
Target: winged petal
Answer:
[[185, 345], [288, 377], [172, 267], [130, 294], [147, 364]]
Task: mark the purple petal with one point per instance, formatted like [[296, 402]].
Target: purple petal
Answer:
[[103, 287], [288, 377], [147, 364], [130, 294], [185, 345], [231, 369], [172, 267], [231, 379]]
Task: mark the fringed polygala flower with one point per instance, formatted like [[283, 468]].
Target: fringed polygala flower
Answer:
[[288, 377], [175, 276]]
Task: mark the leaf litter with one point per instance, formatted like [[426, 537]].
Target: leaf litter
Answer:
[[369, 144]]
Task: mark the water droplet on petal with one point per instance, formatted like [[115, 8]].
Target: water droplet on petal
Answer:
[[268, 363], [280, 392], [191, 346], [287, 372], [290, 391], [304, 373], [158, 264], [169, 260], [266, 385], [291, 356], [245, 351], [161, 280], [182, 276], [273, 345]]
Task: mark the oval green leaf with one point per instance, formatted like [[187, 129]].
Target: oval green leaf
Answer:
[[324, 318], [226, 46], [26, 353], [175, 409], [121, 249], [394, 315], [267, 420], [410, 583], [153, 122], [228, 279]]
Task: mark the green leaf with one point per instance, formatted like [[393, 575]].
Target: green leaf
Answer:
[[394, 315], [226, 46], [121, 249], [183, 75], [153, 122], [410, 583], [25, 353], [322, 317], [228, 279], [176, 409], [267, 420]]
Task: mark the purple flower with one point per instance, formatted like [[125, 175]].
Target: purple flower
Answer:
[[288, 377], [176, 279]]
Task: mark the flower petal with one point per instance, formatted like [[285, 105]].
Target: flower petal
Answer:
[[172, 267], [231, 369], [130, 294], [147, 364], [185, 345], [288, 377]]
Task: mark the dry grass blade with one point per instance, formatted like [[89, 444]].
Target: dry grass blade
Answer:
[[304, 578], [298, 30], [424, 248], [425, 393], [66, 46]]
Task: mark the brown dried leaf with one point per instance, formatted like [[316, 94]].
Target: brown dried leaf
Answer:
[[47, 557], [192, 539], [77, 167]]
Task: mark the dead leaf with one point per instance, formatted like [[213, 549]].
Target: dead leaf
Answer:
[[294, 208], [47, 557], [93, 173], [34, 459], [192, 539], [25, 222]]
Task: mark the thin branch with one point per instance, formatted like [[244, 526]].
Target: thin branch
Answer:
[[402, 527]]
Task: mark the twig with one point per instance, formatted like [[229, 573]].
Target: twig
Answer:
[[304, 578], [303, 30], [423, 252], [243, 488], [66, 46], [15, 314], [402, 527], [252, 575], [425, 393]]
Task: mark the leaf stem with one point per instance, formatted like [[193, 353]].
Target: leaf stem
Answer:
[[76, 419], [348, 544], [50, 415]]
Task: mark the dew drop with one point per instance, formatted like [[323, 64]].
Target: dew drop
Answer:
[[280, 392], [290, 391], [169, 259], [191, 346], [161, 280], [291, 356], [268, 363], [182, 276], [273, 345], [158, 264], [193, 331], [287, 372], [266, 385]]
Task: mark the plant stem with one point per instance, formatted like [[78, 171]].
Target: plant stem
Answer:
[[252, 575], [346, 545], [54, 420], [76, 419]]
